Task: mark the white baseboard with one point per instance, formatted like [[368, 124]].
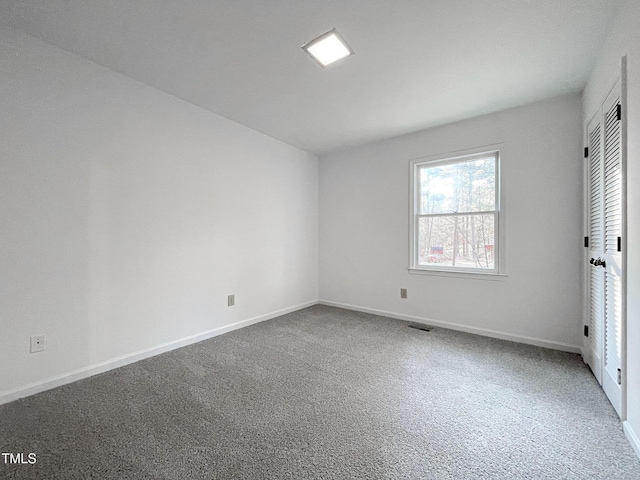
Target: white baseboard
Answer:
[[565, 347], [632, 437], [101, 367], [585, 353]]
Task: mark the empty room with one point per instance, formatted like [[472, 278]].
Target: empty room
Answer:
[[284, 239]]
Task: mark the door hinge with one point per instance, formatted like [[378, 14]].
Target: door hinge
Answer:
[[586, 152], [619, 244], [619, 111], [586, 241], [619, 377], [586, 330]]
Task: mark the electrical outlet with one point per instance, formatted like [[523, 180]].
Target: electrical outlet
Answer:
[[37, 343], [231, 300], [403, 293]]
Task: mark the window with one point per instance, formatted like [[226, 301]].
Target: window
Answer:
[[456, 214]]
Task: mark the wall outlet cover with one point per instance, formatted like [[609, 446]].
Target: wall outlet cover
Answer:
[[37, 343]]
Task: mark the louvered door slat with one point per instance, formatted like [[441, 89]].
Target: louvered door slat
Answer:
[[613, 334], [595, 190], [612, 180], [596, 289], [614, 163]]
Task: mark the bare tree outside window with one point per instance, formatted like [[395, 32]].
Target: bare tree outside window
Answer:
[[456, 213]]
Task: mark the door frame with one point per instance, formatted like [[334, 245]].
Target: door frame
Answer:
[[621, 77]]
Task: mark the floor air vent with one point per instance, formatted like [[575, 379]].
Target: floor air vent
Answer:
[[421, 327]]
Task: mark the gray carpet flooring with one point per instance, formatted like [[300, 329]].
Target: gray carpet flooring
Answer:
[[326, 393]]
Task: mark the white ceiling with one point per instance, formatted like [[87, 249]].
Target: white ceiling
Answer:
[[418, 63]]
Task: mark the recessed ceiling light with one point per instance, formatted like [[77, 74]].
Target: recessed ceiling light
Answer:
[[328, 48]]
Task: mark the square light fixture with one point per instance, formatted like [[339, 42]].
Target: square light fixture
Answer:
[[328, 48]]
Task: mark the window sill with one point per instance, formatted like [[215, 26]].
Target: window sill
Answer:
[[496, 277]]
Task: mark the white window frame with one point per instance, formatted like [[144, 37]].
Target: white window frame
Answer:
[[499, 271]]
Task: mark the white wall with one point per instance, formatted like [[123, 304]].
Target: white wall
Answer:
[[364, 226], [624, 39], [128, 215]]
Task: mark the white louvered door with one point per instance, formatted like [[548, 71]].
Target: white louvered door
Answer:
[[605, 219], [612, 258], [595, 220]]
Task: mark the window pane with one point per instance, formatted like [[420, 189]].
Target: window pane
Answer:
[[467, 186], [465, 241]]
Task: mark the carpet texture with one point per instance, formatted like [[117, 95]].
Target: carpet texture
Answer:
[[326, 393]]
